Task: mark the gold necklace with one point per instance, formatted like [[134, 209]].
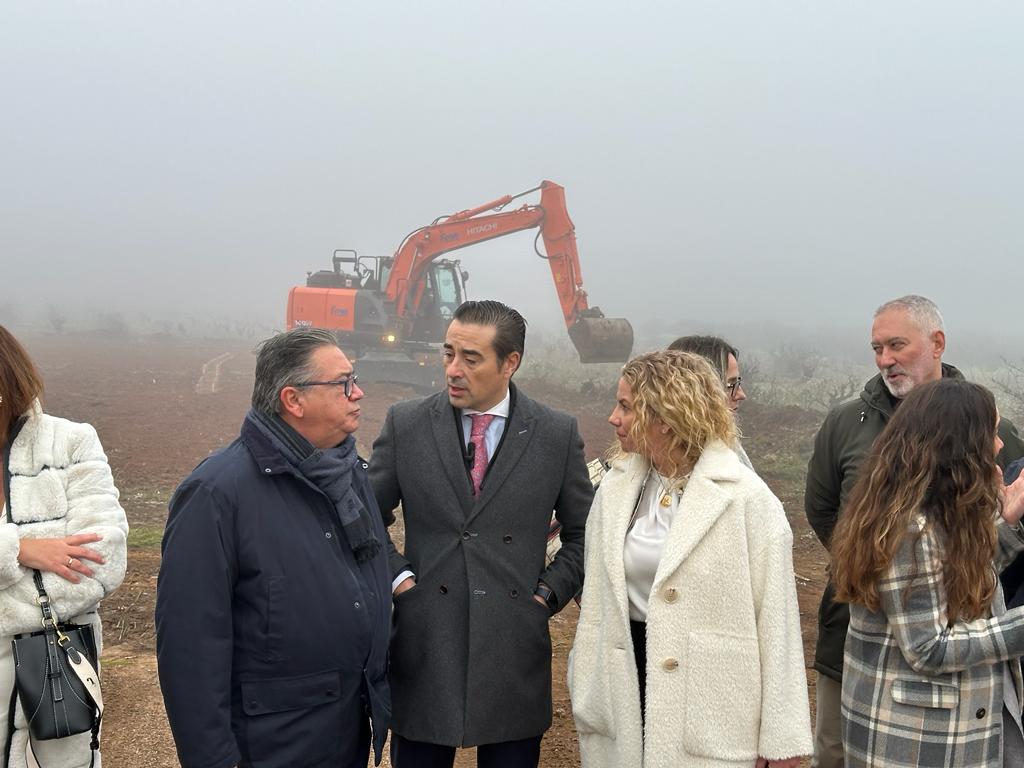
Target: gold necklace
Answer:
[[667, 491]]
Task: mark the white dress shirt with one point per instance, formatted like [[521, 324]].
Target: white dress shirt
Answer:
[[645, 541], [492, 437]]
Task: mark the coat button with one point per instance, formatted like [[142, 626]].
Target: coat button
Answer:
[[356, 604], [980, 713], [671, 595], [443, 589], [514, 593], [267, 470], [366, 466], [327, 534], [507, 539], [465, 535], [670, 665]]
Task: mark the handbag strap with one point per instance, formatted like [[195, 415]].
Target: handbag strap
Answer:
[[11, 437]]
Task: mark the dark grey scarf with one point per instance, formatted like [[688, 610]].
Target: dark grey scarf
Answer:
[[329, 470]]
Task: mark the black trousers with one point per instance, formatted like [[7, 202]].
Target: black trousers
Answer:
[[638, 630], [524, 753]]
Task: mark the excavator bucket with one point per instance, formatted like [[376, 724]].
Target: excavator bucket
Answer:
[[600, 339]]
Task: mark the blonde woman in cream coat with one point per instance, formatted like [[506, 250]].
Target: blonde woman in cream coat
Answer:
[[688, 650]]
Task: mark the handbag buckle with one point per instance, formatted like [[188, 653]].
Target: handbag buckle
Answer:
[[42, 600]]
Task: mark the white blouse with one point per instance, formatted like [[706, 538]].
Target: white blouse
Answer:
[[645, 540]]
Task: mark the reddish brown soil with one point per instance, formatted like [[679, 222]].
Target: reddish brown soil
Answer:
[[158, 415]]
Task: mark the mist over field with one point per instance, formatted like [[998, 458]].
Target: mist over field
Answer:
[[767, 171]]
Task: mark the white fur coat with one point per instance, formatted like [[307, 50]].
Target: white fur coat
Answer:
[[60, 485], [725, 665]]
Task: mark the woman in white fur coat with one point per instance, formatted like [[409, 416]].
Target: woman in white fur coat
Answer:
[[61, 516], [688, 650]]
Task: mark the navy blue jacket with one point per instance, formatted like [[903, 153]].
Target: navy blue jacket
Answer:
[[271, 639]]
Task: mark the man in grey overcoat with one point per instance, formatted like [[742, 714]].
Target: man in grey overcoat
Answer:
[[478, 470]]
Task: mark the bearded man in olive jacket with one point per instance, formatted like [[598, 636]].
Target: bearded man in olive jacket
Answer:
[[908, 339]]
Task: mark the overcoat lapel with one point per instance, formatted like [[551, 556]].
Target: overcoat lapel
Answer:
[[694, 519], [449, 453], [618, 498], [519, 432], [702, 504]]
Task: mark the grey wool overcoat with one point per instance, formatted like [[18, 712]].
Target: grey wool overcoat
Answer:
[[470, 649]]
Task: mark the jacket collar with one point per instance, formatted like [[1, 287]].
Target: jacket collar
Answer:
[[876, 396], [30, 444], [268, 458]]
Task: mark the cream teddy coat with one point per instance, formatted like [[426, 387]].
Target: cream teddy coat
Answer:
[[725, 665], [60, 485]]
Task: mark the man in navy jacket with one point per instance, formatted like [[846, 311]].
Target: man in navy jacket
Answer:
[[274, 597]]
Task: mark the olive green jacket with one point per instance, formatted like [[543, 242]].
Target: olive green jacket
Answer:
[[842, 443]]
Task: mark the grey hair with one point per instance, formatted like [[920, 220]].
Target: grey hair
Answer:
[[922, 311], [286, 360]]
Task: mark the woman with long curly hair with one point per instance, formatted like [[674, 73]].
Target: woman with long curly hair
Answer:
[[931, 671], [688, 648]]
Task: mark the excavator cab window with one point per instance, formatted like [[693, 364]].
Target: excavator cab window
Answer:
[[385, 272], [447, 290]]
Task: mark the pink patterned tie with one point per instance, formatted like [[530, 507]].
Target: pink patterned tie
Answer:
[[481, 421]]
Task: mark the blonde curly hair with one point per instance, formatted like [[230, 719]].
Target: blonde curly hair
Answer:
[[685, 393]]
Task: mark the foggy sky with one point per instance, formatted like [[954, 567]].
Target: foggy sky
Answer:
[[732, 163]]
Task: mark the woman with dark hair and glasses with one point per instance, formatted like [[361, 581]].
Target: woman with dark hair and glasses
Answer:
[[724, 358], [60, 516], [931, 674]]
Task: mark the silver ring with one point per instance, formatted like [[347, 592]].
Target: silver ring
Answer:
[[71, 561]]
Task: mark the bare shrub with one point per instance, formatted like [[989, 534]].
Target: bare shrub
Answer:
[[56, 318]]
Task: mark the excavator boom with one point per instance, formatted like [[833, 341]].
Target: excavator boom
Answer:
[[597, 339]]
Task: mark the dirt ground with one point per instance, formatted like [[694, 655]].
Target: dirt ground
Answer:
[[161, 404]]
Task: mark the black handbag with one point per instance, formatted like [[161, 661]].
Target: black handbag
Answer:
[[55, 674]]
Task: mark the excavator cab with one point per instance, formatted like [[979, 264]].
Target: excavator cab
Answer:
[[443, 291]]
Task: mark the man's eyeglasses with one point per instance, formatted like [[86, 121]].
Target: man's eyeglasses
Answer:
[[733, 385], [347, 384]]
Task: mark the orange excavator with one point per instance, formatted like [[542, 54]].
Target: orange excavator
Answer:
[[393, 311]]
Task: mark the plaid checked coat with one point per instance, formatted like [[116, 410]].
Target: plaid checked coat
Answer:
[[919, 693]]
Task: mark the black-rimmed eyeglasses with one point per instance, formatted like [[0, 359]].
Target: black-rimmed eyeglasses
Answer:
[[347, 384], [733, 385]]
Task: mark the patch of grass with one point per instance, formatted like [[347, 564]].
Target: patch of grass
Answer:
[[145, 497], [145, 536]]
